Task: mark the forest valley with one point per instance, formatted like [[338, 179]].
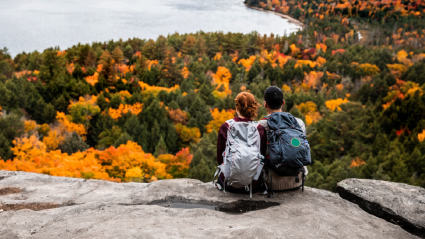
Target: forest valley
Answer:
[[143, 110]]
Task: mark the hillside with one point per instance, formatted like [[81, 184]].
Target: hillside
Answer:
[[42, 206], [142, 110]]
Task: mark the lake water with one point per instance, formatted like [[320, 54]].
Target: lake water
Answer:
[[28, 25]]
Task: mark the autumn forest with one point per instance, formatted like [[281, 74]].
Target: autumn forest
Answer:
[[143, 110]]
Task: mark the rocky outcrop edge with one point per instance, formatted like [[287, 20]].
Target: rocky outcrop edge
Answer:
[[382, 212]]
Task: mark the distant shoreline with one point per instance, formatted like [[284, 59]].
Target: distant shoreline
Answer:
[[290, 19]]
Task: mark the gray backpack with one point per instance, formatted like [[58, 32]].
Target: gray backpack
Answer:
[[242, 160]]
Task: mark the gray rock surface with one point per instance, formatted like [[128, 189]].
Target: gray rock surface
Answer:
[[399, 203], [101, 209]]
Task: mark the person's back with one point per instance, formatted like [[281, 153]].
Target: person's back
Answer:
[[285, 178], [240, 146]]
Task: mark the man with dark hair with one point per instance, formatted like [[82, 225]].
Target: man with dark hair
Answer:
[[273, 98], [273, 102]]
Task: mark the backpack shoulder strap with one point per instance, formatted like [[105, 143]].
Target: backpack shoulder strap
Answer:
[[230, 122]]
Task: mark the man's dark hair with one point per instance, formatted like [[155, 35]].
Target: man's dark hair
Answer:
[[273, 97]]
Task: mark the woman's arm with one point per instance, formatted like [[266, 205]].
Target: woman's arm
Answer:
[[221, 142]]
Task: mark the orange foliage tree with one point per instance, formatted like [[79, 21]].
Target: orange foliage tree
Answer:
[[177, 115], [93, 79], [247, 63], [185, 72], [357, 162], [125, 163], [134, 109], [31, 155], [177, 165], [65, 122], [116, 161], [312, 79], [421, 136]]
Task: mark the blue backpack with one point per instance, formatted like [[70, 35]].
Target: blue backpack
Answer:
[[287, 145]]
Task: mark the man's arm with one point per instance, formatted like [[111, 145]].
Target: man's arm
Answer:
[[301, 123]]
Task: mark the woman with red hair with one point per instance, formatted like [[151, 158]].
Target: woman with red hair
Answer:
[[246, 111]]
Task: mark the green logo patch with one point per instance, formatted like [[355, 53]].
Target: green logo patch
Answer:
[[295, 142]]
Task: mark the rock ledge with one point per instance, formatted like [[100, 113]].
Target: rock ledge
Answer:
[[398, 203], [59, 207]]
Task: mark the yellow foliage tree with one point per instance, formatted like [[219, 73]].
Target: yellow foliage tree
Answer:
[[400, 90], [84, 109], [321, 47], [30, 125], [369, 69], [185, 72], [402, 57], [301, 63], [335, 104], [320, 61], [397, 69], [286, 89], [294, 49], [156, 89], [69, 126], [219, 117], [188, 134], [53, 139], [133, 174], [151, 63], [221, 80], [217, 56], [309, 110]]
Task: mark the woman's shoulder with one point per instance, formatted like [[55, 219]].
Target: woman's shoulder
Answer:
[[263, 122], [226, 124]]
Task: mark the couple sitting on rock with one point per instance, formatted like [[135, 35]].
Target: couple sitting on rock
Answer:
[[269, 155]]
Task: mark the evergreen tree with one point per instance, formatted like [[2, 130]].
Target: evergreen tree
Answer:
[[161, 147], [199, 114], [204, 163], [10, 127], [73, 143]]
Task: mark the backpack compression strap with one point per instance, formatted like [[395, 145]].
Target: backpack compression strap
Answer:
[[230, 122]]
